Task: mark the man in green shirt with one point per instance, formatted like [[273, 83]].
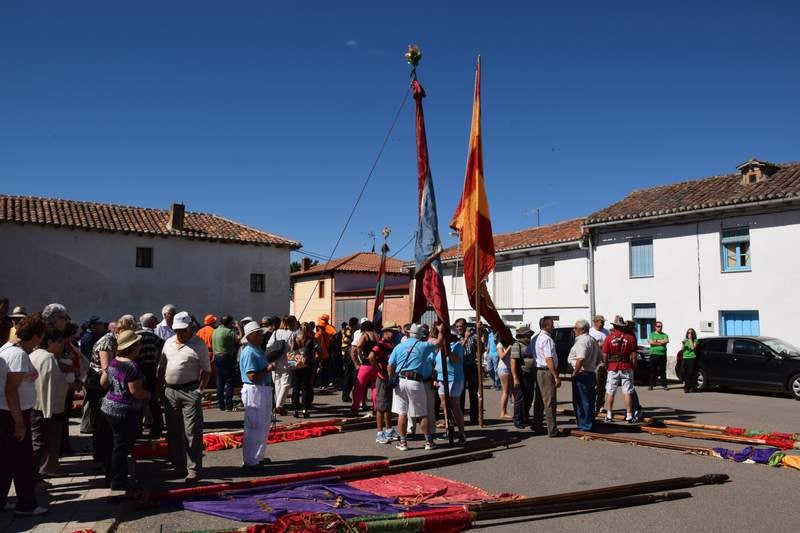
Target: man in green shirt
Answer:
[[225, 344], [658, 341]]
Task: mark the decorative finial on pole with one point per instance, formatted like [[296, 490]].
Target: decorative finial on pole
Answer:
[[385, 232], [413, 56]]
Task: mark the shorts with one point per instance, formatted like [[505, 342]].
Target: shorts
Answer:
[[383, 395], [410, 398], [456, 388], [617, 378], [502, 369]]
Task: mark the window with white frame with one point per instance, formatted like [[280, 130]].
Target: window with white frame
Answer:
[[641, 258], [547, 273], [502, 286], [645, 317], [735, 244], [458, 279]]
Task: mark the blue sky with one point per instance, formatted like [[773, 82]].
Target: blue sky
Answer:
[[272, 113]]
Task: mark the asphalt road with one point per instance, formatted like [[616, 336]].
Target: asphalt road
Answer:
[[758, 498]]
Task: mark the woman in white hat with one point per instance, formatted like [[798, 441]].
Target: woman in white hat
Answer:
[[122, 407]]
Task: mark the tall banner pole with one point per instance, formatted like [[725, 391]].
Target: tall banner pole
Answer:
[[478, 343]]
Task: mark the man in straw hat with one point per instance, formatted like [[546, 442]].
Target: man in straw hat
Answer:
[[619, 355], [16, 315], [257, 388], [523, 373]]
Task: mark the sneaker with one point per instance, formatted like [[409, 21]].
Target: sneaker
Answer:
[[609, 419], [430, 445], [630, 419], [462, 440], [381, 438], [33, 512], [665, 387], [392, 434], [402, 446]]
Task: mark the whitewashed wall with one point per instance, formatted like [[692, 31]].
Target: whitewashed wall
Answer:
[[96, 273], [567, 299], [688, 255]]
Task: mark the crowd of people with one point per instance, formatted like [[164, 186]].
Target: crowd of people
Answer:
[[142, 373]]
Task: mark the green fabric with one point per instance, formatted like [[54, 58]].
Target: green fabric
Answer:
[[658, 350], [223, 340], [688, 353], [755, 432], [776, 459]]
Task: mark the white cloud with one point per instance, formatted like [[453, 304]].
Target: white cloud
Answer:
[[351, 43]]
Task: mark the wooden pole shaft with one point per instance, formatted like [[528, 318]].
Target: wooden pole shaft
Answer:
[[478, 344]]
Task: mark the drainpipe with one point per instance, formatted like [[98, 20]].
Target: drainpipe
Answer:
[[592, 304]]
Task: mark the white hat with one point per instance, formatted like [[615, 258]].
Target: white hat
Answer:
[[416, 331], [251, 327], [181, 321], [363, 320], [246, 319]]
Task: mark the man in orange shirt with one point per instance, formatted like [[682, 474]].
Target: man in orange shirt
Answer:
[[324, 336], [205, 333]]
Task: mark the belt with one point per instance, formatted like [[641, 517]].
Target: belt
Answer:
[[541, 368], [413, 376], [185, 386]]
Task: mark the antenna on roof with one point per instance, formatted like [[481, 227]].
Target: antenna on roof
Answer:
[[538, 211], [371, 235]]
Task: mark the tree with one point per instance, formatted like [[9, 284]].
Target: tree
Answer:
[[296, 266]]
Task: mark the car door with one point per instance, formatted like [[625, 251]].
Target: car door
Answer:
[[754, 365], [712, 357]]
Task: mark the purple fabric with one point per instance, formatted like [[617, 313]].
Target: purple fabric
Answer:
[[757, 455], [267, 504]]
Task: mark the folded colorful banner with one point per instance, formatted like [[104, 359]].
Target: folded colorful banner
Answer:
[[213, 442], [764, 456], [385, 497]]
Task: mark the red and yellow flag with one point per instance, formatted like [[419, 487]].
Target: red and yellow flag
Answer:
[[472, 219], [474, 224]]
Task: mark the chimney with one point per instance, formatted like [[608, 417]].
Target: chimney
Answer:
[[176, 213], [755, 171], [305, 264]]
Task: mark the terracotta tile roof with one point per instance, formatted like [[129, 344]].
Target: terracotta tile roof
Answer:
[[715, 191], [93, 216], [357, 262], [567, 231]]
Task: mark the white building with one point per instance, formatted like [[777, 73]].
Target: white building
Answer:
[[714, 254], [107, 260], [541, 271]]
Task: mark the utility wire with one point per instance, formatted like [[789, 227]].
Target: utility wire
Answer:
[[361, 193], [409, 241]]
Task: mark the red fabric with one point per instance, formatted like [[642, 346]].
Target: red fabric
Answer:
[[414, 488], [213, 442], [734, 431], [779, 442]]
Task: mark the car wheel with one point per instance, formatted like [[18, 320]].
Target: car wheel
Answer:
[[702, 380], [794, 386]]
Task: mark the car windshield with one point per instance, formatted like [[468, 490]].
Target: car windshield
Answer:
[[782, 347]]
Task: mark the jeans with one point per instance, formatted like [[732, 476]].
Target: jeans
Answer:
[[658, 368], [602, 377], [523, 398], [583, 399], [225, 365], [17, 462], [491, 369], [125, 430], [471, 388]]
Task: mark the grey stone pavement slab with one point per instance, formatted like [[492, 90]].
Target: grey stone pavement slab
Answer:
[[758, 498]]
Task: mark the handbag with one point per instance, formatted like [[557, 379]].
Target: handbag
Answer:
[[394, 379]]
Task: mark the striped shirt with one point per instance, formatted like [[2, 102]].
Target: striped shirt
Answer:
[[151, 345]]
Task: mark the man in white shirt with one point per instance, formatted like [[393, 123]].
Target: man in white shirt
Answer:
[[599, 333], [164, 328], [583, 357], [547, 380]]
